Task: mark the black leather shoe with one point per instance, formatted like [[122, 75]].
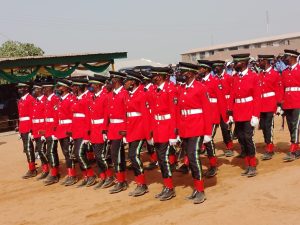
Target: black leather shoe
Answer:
[[199, 197], [192, 196], [83, 183], [71, 181], [246, 171], [290, 156], [109, 181], [43, 176], [167, 194], [30, 174], [161, 193], [91, 181], [99, 184], [65, 180], [151, 166], [139, 190], [252, 172], [183, 169], [120, 186], [267, 156], [51, 180], [228, 153], [211, 172]]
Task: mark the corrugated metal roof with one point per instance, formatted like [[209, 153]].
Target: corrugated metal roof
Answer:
[[246, 42]]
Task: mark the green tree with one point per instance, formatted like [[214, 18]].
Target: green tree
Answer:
[[18, 49]]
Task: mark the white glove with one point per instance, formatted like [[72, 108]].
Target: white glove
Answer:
[[85, 141], [279, 111], [230, 120], [254, 121], [124, 140], [150, 141], [104, 137], [43, 139], [207, 138], [178, 138], [31, 137], [53, 138], [172, 142]]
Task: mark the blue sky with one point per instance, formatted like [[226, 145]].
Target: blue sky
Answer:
[[158, 29]]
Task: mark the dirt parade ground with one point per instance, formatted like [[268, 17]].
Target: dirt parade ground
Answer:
[[272, 197]]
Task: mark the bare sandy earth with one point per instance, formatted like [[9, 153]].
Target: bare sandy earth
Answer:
[[273, 197]]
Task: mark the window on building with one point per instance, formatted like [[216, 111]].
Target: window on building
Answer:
[[257, 45], [246, 46], [211, 52], [221, 50], [233, 48], [202, 55]]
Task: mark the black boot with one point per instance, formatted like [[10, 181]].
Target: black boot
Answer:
[[246, 171], [51, 180], [100, 184], [252, 172], [192, 196], [91, 181], [151, 166], [167, 194], [120, 186], [83, 182], [290, 156], [267, 156], [140, 189], [211, 172], [109, 181], [199, 197], [71, 180], [43, 175], [30, 174], [183, 169], [161, 193]]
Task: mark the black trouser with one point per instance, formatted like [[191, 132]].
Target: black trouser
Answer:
[[80, 153], [100, 152], [245, 133], [135, 148], [193, 152], [52, 152], [163, 150], [150, 148], [266, 123], [118, 155], [40, 148], [28, 148], [226, 131], [210, 146], [67, 149], [293, 120]]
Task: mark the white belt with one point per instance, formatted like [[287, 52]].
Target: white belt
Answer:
[[38, 120], [186, 112], [162, 117], [49, 120], [292, 89], [133, 114], [243, 100], [99, 121], [213, 100], [268, 94], [227, 96], [25, 118], [116, 121], [79, 115], [65, 121]]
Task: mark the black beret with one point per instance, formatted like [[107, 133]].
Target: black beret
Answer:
[[268, 57], [115, 74], [63, 82], [218, 63], [241, 57], [161, 70], [133, 75], [78, 81], [183, 66], [205, 63], [291, 52]]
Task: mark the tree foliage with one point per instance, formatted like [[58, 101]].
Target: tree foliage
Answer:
[[18, 49]]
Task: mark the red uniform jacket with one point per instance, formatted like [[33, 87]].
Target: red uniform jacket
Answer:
[[81, 119], [291, 85], [25, 108], [137, 124], [271, 90], [194, 117], [163, 111], [116, 113], [51, 115], [65, 116], [226, 81], [98, 116], [217, 99], [38, 116], [245, 96]]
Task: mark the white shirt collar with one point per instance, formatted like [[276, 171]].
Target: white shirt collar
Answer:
[[206, 77], [244, 72], [86, 92], [188, 86], [80, 96], [117, 91], [294, 66], [148, 86], [40, 98], [161, 87], [50, 96], [65, 96], [132, 92], [268, 70], [25, 96], [98, 93]]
